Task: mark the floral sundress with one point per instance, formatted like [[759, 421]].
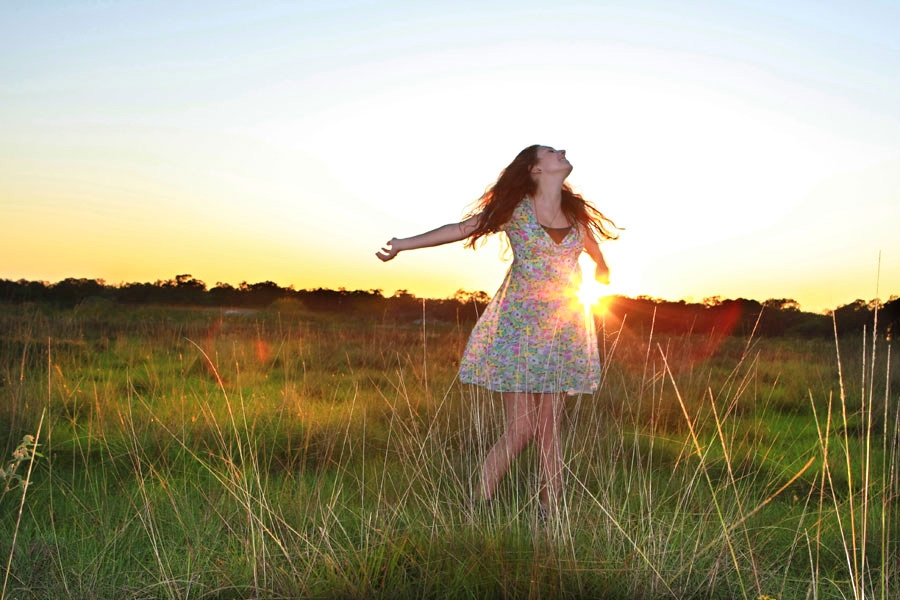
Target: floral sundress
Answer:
[[535, 335]]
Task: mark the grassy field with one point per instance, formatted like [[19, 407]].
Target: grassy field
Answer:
[[283, 454]]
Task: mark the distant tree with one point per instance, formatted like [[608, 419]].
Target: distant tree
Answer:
[[23, 291], [890, 317], [854, 317], [470, 305], [405, 306], [322, 299], [366, 302], [70, 292], [263, 293], [188, 291], [782, 316], [713, 316], [137, 293], [782, 304], [464, 297], [224, 294], [189, 282]]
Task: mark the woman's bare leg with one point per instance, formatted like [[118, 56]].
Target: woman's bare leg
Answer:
[[549, 411], [519, 430]]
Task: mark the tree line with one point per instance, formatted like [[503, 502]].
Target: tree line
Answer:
[[773, 317]]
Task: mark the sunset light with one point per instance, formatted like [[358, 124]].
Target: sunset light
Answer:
[[591, 292], [286, 142], [289, 304], [594, 296]]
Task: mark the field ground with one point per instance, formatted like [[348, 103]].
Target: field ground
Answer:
[[197, 454]]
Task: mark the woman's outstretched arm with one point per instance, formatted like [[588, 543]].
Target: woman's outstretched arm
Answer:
[[601, 272], [452, 232]]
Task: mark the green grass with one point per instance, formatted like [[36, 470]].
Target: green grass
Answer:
[[195, 454]]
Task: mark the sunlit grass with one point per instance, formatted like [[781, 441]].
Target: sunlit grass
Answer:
[[183, 461]]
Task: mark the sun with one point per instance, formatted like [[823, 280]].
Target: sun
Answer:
[[626, 280], [592, 294]]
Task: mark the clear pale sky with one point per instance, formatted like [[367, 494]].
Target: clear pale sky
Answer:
[[750, 149]]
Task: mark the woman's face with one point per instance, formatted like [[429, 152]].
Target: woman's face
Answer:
[[551, 162]]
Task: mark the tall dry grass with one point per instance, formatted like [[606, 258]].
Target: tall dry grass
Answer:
[[200, 454]]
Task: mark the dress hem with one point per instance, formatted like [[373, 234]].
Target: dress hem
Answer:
[[512, 390]]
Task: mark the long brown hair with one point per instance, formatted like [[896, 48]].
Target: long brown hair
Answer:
[[496, 205]]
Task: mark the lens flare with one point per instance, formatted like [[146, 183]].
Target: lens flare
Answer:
[[590, 293], [593, 295]]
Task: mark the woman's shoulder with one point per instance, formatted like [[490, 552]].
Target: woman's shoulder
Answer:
[[518, 214]]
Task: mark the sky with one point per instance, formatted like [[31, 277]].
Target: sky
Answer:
[[747, 149]]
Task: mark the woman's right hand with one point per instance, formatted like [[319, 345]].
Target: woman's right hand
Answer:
[[389, 251]]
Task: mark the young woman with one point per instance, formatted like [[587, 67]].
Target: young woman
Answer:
[[533, 343]]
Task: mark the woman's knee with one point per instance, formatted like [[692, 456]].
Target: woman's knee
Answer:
[[521, 433]]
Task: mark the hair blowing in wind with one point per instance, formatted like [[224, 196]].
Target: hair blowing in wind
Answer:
[[497, 204]]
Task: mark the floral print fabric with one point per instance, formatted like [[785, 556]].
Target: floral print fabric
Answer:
[[535, 335]]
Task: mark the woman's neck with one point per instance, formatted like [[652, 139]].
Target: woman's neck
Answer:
[[548, 207], [548, 197]]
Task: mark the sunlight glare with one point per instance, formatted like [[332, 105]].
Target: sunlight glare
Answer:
[[591, 293]]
